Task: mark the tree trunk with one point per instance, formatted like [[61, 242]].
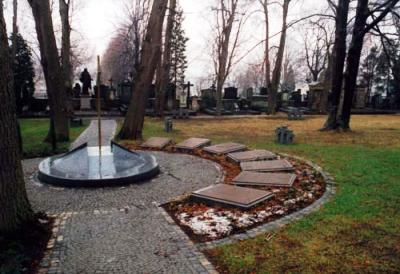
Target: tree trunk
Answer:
[[14, 204], [165, 68], [51, 68], [353, 62], [151, 50], [276, 74], [224, 52], [338, 59], [267, 62], [66, 65]]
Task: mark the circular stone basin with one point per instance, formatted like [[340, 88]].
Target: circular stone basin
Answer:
[[88, 167]]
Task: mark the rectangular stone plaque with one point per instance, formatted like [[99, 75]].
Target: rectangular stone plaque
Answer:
[[252, 155], [265, 179], [193, 143], [225, 148], [156, 142], [267, 166], [232, 195]]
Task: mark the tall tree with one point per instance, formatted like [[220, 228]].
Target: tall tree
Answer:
[[166, 60], [51, 68], [338, 59], [66, 66], [223, 50], [23, 71], [276, 73], [14, 204], [361, 27], [150, 55], [267, 63]]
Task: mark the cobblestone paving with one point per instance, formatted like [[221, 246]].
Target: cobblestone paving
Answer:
[[90, 135], [121, 230]]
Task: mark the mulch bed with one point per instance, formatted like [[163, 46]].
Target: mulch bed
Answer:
[[207, 222], [22, 250]]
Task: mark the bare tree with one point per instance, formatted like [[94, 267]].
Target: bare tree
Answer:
[[14, 204], [223, 49], [51, 68], [276, 74], [338, 59], [365, 9], [267, 63], [66, 66], [151, 50], [166, 60]]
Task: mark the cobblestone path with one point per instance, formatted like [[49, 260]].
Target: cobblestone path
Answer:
[[122, 230]]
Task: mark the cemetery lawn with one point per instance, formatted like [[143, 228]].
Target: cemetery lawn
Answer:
[[34, 131], [358, 231]]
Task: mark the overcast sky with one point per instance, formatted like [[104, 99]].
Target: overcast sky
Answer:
[[97, 20]]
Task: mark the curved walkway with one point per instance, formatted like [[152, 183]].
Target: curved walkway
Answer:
[[122, 230]]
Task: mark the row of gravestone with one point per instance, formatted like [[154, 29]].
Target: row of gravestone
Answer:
[[259, 168]]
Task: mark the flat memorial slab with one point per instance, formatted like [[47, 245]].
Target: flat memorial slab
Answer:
[[156, 142], [232, 195], [225, 148], [252, 155], [193, 143], [267, 166], [264, 179]]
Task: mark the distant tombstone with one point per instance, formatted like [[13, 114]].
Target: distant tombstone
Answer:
[[248, 93], [263, 91], [315, 97], [195, 103], [283, 135], [168, 124], [230, 93], [360, 97]]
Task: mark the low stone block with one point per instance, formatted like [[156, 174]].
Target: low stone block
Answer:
[[156, 142], [225, 148], [232, 195], [193, 143], [265, 179], [252, 155], [267, 166]]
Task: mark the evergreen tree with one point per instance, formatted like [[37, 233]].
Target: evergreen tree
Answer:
[[23, 73], [368, 69], [178, 45]]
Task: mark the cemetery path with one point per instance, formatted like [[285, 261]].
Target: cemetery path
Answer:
[[90, 135], [121, 229]]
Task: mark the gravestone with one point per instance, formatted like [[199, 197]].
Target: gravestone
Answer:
[[168, 124], [232, 195], [264, 179], [193, 143], [156, 142], [252, 155], [267, 166], [231, 93], [225, 148], [283, 135]]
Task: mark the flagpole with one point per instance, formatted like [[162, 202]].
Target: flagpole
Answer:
[[98, 101]]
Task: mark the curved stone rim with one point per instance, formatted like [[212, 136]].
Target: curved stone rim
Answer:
[[105, 182]]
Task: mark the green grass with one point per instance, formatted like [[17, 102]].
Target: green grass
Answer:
[[358, 231], [34, 131]]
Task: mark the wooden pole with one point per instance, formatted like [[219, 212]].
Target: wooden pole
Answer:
[[98, 101]]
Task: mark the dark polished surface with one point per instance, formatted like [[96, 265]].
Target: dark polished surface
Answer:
[[89, 167]]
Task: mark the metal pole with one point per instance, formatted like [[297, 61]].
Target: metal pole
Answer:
[[98, 101]]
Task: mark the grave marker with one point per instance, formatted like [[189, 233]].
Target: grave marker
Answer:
[[232, 195], [225, 148], [156, 142], [193, 143], [252, 155], [267, 166], [248, 178]]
